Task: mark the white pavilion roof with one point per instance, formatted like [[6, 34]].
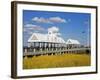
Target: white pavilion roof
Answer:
[[72, 41], [38, 37]]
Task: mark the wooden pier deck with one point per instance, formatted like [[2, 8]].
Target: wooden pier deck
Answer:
[[74, 50]]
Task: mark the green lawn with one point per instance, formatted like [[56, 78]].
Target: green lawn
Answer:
[[54, 61]]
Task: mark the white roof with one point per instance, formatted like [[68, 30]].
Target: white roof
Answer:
[[60, 40], [72, 41], [38, 37]]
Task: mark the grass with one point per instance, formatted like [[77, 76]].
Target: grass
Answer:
[[54, 61]]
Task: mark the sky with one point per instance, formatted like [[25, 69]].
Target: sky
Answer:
[[70, 25]]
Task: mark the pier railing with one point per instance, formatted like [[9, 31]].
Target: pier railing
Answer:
[[32, 52]]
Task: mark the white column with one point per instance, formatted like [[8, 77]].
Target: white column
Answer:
[[49, 45], [29, 44], [25, 50], [34, 47], [52, 46], [56, 46], [45, 44], [41, 46], [34, 50]]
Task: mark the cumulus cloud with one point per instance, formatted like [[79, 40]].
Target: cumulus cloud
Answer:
[[49, 20], [41, 20], [29, 25], [53, 29], [34, 27], [59, 34], [57, 19]]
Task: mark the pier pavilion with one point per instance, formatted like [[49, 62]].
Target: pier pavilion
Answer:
[[51, 43]]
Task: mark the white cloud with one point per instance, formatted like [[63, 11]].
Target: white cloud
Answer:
[[57, 19], [29, 25], [53, 29], [49, 20], [59, 34], [41, 20], [34, 27]]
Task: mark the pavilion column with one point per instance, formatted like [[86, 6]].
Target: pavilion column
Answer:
[[29, 44], [47, 46], [68, 46], [64, 46], [57, 46], [76, 46], [37, 45], [71, 46], [25, 50], [52, 46], [34, 49], [34, 46], [41, 46], [60, 46]]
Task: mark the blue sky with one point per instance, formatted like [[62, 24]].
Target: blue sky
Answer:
[[70, 24]]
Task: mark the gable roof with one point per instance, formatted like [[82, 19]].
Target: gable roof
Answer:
[[38, 37], [72, 41], [60, 40]]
